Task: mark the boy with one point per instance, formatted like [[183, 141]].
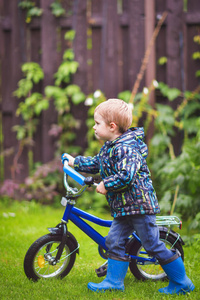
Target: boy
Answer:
[[129, 191]]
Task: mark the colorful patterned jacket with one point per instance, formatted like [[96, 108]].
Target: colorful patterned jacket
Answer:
[[123, 169]]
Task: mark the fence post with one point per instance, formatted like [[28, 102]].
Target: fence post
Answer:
[[49, 65], [175, 64]]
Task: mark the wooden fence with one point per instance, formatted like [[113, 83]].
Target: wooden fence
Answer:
[[120, 31]]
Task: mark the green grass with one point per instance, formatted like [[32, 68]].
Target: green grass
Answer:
[[22, 223]]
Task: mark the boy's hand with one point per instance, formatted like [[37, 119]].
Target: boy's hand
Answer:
[[101, 188], [70, 159]]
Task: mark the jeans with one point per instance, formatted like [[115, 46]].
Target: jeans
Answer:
[[147, 230]]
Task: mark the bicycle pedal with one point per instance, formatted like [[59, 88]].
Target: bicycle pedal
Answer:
[[101, 271]]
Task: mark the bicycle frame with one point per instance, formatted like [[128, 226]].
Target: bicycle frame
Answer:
[[76, 216]]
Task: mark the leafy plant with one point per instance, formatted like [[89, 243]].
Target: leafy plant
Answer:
[[64, 95], [57, 9], [30, 108], [177, 178]]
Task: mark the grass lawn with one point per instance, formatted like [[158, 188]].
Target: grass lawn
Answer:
[[22, 223]]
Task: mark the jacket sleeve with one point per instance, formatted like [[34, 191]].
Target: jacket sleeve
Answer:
[[87, 164], [126, 162]]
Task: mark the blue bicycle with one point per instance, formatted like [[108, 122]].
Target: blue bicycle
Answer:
[[54, 254]]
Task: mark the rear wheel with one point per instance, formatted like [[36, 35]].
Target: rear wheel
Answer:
[[152, 270], [39, 261]]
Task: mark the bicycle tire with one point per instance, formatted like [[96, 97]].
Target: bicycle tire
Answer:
[[37, 261], [152, 271]]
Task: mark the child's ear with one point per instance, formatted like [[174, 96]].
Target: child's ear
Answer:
[[113, 125]]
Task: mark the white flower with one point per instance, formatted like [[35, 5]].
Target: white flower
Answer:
[[155, 83], [131, 106], [145, 90], [88, 102], [97, 94]]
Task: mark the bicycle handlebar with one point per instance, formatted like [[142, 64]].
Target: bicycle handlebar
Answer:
[[83, 181]]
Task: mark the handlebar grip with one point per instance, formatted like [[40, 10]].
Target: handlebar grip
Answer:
[[63, 158], [74, 174]]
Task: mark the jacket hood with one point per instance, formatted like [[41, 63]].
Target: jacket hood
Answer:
[[134, 137]]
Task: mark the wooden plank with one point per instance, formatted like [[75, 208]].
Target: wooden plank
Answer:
[[192, 18], [161, 52], [95, 56], [160, 6], [109, 80], [12, 73], [49, 65], [193, 6], [192, 65], [175, 64], [136, 40], [173, 36], [79, 24]]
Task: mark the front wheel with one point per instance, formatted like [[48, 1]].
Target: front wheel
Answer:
[[39, 261], [152, 270]]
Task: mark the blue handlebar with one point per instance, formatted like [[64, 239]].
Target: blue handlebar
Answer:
[[74, 175], [63, 158], [71, 172]]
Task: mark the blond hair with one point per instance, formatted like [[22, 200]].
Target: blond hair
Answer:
[[117, 111]]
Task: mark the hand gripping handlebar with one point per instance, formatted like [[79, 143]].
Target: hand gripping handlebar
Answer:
[[80, 179]]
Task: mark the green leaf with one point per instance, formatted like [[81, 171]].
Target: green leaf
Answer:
[[196, 55], [165, 202], [68, 54], [21, 131], [70, 35], [62, 104], [78, 98], [180, 179], [73, 66], [33, 99], [41, 105], [24, 87], [33, 71], [125, 95], [72, 89], [173, 94], [53, 92], [197, 74], [162, 60], [159, 139], [170, 93], [57, 9], [26, 4], [34, 12], [165, 115], [64, 72]]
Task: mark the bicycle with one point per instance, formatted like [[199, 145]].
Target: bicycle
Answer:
[[54, 254]]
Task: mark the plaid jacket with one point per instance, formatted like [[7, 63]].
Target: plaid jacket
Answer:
[[123, 169]]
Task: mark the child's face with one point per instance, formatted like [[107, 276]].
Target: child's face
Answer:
[[102, 130]]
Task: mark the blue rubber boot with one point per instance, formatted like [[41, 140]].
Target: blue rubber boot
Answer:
[[114, 279], [179, 283]]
